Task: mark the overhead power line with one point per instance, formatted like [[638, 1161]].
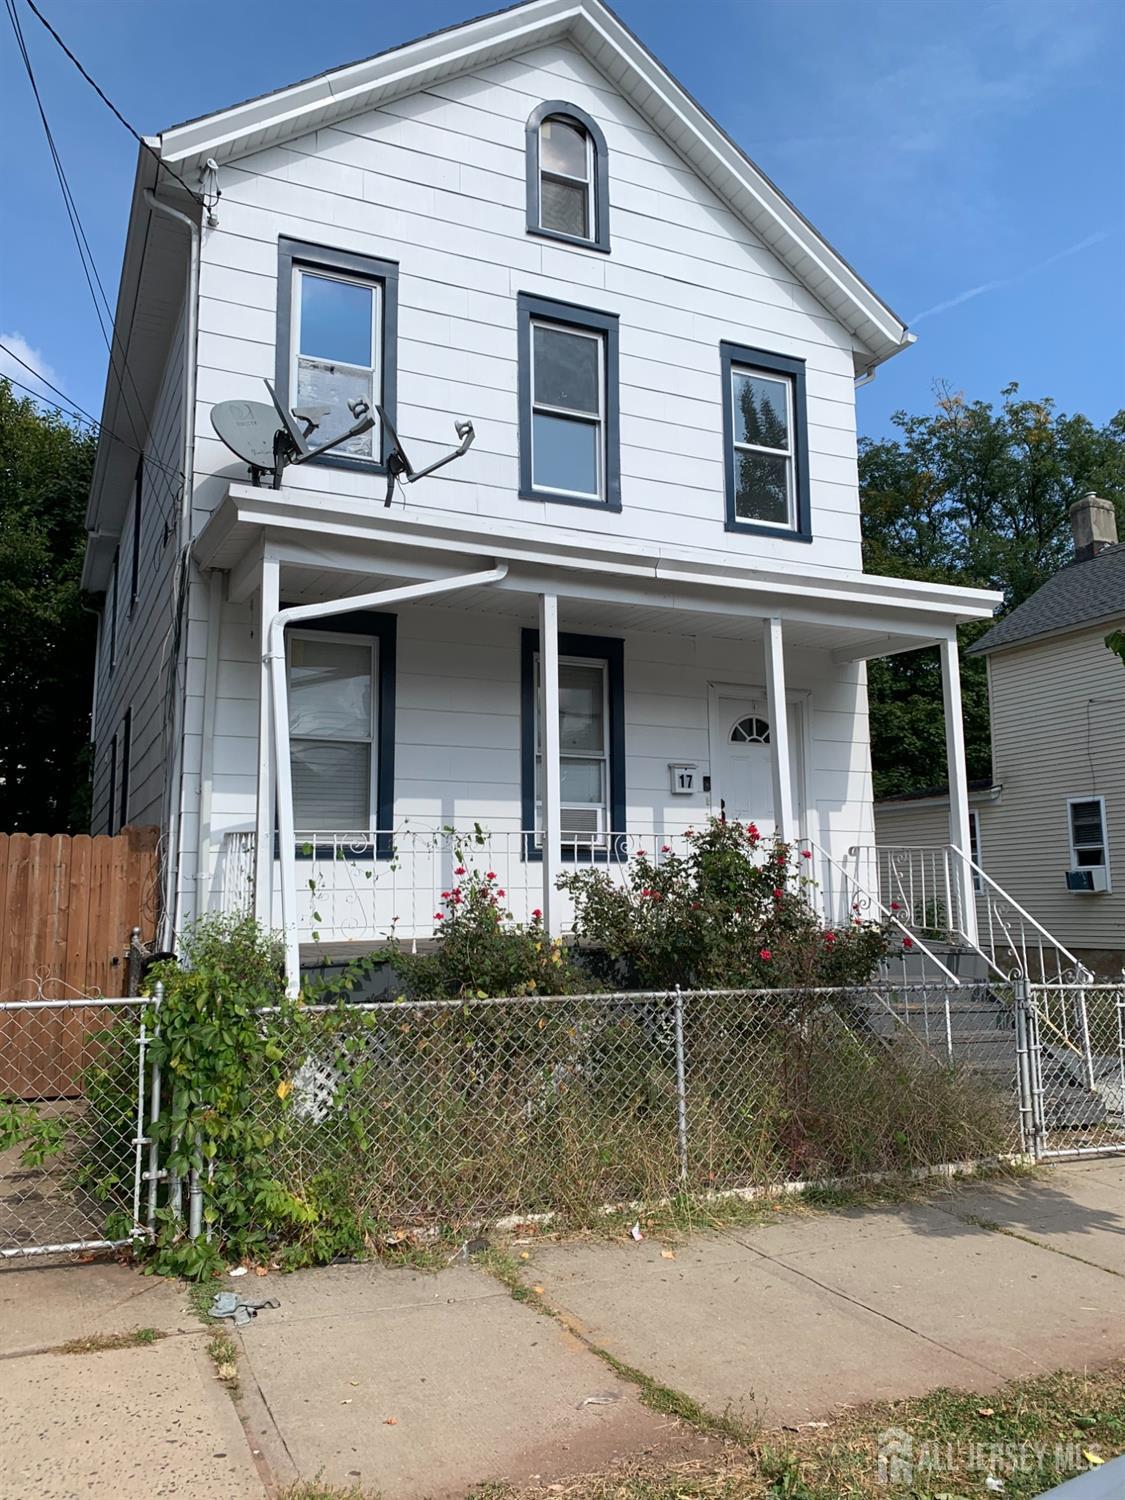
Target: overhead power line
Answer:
[[161, 164]]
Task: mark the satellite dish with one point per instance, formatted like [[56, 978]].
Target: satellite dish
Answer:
[[400, 467], [247, 428]]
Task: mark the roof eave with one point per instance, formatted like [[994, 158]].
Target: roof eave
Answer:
[[682, 122]]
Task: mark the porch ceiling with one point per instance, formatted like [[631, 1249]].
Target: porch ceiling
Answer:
[[312, 585], [333, 550]]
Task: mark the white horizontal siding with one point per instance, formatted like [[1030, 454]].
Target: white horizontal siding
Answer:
[[436, 183], [139, 680], [458, 726], [1058, 731]]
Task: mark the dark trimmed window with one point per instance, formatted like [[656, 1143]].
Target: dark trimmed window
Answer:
[[135, 562], [567, 176], [111, 607], [111, 794], [765, 441], [591, 743], [126, 758], [337, 329], [342, 730], [568, 402]]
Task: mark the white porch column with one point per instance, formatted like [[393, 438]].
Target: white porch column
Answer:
[[958, 784], [550, 782], [269, 602], [778, 710]]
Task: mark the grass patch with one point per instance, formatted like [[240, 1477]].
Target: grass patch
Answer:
[[100, 1343], [1031, 1434], [224, 1356], [314, 1490]]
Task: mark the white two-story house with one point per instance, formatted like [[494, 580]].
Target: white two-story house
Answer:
[[636, 599]]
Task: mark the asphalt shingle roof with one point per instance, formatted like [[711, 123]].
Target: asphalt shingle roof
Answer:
[[1078, 593]]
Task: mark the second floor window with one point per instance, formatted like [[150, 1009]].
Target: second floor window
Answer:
[[568, 404], [764, 427], [336, 342]]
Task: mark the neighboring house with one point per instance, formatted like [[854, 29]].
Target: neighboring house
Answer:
[[1049, 828], [638, 598]]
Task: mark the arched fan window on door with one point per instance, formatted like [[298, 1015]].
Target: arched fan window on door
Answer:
[[750, 731]]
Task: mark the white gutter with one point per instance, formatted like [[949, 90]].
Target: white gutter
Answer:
[[169, 924], [279, 693]]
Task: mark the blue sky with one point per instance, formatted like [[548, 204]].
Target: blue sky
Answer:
[[967, 158]]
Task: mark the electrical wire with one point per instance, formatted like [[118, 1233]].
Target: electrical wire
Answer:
[[117, 358], [161, 164]]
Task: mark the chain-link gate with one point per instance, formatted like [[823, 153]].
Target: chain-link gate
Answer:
[[72, 1123], [1072, 1068]]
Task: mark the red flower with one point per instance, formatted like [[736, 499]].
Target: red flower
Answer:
[[439, 916], [665, 848], [639, 853], [536, 915], [695, 905], [646, 892], [894, 906], [765, 954], [806, 854], [445, 895], [780, 856], [829, 937], [657, 896], [908, 942], [499, 893], [490, 875], [752, 832], [778, 893], [460, 870]]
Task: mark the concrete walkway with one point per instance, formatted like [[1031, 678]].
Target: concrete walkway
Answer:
[[421, 1385]]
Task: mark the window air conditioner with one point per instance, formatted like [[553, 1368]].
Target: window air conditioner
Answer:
[[1087, 880]]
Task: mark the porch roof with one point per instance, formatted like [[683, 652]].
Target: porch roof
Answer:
[[332, 547]]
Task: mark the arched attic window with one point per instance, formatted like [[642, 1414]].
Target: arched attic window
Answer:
[[567, 176]]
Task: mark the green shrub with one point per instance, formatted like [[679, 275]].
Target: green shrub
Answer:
[[731, 913], [482, 952]]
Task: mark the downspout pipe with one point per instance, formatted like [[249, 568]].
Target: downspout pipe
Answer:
[[279, 693], [171, 881]]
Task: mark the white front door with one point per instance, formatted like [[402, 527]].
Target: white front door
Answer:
[[742, 759]]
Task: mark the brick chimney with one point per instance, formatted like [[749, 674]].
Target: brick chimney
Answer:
[[1094, 524]]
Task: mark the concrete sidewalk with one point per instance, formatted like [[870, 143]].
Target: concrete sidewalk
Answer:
[[421, 1385]]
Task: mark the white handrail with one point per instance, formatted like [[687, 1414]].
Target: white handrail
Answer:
[[1025, 916], [915, 942]]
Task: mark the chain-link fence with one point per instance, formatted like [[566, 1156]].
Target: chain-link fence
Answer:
[[71, 1076], [446, 1114], [451, 1113], [1076, 1069]]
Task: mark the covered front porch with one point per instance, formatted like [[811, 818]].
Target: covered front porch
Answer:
[[532, 707]]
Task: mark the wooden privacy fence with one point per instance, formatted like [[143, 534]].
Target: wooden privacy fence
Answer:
[[68, 904]]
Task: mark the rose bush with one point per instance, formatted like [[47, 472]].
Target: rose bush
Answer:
[[730, 913]]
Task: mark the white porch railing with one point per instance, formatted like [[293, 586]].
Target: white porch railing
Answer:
[[922, 886], [368, 887]]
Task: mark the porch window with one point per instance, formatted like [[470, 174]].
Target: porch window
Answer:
[[583, 752], [591, 744], [567, 176], [1087, 833], [332, 729], [764, 426], [568, 404], [337, 320]]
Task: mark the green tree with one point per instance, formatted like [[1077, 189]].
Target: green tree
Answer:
[[46, 636], [978, 495]]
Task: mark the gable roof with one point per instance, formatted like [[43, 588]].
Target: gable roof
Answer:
[[1077, 595], [623, 59]]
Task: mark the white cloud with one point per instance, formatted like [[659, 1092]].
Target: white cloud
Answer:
[[993, 286], [22, 350]]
